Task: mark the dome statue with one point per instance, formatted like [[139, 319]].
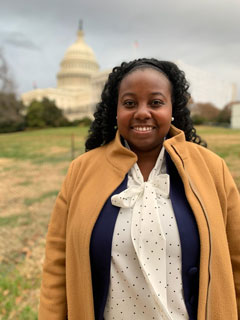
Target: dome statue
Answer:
[[79, 82], [78, 66]]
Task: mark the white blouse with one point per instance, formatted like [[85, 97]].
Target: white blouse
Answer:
[[146, 280]]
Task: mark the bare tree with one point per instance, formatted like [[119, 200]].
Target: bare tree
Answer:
[[11, 118], [205, 110], [7, 84]]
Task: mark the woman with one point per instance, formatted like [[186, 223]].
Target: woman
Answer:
[[147, 222]]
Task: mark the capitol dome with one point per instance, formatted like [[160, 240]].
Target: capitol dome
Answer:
[[79, 82], [78, 66]]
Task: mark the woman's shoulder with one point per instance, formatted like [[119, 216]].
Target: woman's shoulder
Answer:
[[86, 161], [89, 156], [84, 166], [192, 150], [189, 149], [198, 157], [204, 151], [203, 154]]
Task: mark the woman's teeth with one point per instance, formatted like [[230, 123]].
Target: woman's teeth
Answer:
[[143, 128]]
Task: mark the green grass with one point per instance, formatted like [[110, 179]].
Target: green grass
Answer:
[[12, 284], [205, 130], [225, 142], [15, 220], [25, 183], [30, 201], [28, 314], [37, 146], [224, 150]]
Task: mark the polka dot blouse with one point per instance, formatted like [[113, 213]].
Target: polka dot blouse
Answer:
[[145, 280]]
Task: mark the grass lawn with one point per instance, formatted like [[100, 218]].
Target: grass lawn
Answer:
[[226, 143], [41, 146], [32, 167]]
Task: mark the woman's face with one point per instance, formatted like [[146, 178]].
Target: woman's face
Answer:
[[144, 109]]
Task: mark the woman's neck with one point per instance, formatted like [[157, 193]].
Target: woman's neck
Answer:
[[147, 160]]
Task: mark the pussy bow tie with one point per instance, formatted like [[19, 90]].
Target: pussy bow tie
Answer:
[[145, 200]]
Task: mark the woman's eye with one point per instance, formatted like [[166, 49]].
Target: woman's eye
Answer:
[[129, 103], [157, 103]]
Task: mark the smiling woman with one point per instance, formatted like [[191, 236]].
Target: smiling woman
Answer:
[[147, 223], [144, 112]]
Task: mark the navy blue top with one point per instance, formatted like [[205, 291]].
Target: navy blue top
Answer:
[[101, 245]]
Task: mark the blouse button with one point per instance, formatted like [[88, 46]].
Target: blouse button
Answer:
[[192, 271], [192, 300]]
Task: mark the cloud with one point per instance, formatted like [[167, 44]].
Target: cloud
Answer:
[[202, 33], [20, 40]]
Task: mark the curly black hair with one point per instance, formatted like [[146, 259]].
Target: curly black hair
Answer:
[[104, 126]]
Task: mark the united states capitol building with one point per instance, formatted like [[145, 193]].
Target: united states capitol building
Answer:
[[80, 82]]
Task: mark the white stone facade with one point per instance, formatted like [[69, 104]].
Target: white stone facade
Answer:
[[235, 116], [206, 87], [79, 82]]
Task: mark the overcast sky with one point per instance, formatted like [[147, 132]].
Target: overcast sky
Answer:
[[34, 35]]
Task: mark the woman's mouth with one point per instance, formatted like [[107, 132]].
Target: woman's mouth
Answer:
[[143, 128]]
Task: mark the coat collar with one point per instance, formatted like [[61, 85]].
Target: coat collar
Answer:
[[176, 140], [123, 159], [118, 156]]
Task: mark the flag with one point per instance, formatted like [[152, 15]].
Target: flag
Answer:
[[136, 44]]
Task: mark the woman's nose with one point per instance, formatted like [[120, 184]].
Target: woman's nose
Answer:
[[142, 112]]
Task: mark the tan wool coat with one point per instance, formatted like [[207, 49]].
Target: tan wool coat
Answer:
[[66, 289]]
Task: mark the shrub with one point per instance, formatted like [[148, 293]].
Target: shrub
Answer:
[[197, 119], [84, 122], [224, 116], [45, 113]]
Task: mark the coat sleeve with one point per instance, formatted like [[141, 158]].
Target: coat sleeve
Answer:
[[233, 228], [53, 303]]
